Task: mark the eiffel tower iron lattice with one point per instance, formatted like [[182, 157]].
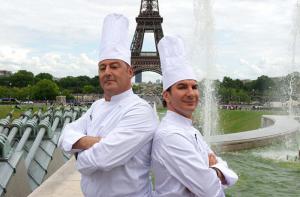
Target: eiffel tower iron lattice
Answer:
[[148, 21]]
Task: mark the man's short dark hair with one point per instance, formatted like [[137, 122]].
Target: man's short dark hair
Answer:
[[164, 102]]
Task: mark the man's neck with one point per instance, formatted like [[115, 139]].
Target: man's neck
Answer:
[[108, 97], [189, 116]]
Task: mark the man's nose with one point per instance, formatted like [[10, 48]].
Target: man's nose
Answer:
[[107, 70], [190, 91]]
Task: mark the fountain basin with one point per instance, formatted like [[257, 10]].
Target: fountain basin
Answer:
[[274, 128]]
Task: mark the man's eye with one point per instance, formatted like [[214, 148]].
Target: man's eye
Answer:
[[195, 87], [114, 65], [181, 87]]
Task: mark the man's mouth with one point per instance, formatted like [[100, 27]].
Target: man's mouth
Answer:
[[109, 80], [190, 102]]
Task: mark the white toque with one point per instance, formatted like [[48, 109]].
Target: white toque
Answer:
[[174, 64], [115, 39]]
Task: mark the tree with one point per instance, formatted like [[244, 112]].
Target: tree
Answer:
[[4, 81], [22, 78], [68, 94], [263, 84], [95, 81], [67, 82], [230, 83], [136, 88], [5, 92], [88, 89], [41, 76], [45, 90], [25, 93]]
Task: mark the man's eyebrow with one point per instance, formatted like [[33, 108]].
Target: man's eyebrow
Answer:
[[181, 84], [101, 64], [115, 62]]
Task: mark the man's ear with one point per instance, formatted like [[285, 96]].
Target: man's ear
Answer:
[[130, 71], [166, 96]]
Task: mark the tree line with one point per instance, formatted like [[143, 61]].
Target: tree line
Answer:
[[263, 89], [24, 85]]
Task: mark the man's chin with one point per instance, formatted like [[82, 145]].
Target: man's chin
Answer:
[[191, 105], [109, 88]]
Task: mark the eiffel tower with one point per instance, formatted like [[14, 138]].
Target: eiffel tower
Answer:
[[148, 21]]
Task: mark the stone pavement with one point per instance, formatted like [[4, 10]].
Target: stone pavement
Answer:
[[64, 182]]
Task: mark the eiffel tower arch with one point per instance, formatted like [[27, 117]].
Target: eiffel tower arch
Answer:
[[148, 21]]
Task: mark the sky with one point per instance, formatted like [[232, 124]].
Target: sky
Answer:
[[250, 38]]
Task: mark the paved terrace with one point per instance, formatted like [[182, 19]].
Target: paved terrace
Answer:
[[64, 182]]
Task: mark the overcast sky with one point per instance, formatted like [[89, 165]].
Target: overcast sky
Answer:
[[61, 37]]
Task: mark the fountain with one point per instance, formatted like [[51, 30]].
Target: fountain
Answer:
[[268, 162], [203, 55], [295, 36]]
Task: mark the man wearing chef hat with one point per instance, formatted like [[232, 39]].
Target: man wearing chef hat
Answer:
[[113, 138], [182, 162]]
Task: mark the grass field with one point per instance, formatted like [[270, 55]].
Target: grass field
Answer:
[[5, 109], [232, 121]]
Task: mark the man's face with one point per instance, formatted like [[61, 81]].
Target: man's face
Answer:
[[183, 97], [114, 76]]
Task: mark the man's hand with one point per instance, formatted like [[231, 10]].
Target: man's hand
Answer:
[[86, 142], [220, 175], [212, 159]]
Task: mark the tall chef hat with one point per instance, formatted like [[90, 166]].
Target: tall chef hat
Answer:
[[114, 39], [174, 64]]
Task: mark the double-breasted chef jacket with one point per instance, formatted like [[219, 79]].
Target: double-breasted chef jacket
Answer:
[[180, 161], [119, 164]]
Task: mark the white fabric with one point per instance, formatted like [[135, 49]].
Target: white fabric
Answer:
[[174, 64], [180, 161], [119, 164], [115, 42]]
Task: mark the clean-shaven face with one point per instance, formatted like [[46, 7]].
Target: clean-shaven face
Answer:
[[183, 97], [114, 76]]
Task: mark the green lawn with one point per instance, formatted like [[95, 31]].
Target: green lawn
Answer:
[[5, 109], [232, 121]]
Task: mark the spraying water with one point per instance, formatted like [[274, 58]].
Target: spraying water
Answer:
[[295, 37], [204, 55]]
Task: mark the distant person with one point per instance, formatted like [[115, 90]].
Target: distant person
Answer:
[[182, 162], [113, 138]]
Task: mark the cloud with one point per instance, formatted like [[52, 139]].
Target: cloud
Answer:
[[57, 64], [251, 37]]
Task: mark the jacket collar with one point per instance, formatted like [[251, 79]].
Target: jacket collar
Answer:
[[117, 98], [178, 119]]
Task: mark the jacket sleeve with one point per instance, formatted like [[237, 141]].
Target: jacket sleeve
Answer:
[[72, 132], [230, 176], [188, 166], [134, 130]]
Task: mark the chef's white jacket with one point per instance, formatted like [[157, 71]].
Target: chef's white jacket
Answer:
[[180, 161], [119, 164]]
